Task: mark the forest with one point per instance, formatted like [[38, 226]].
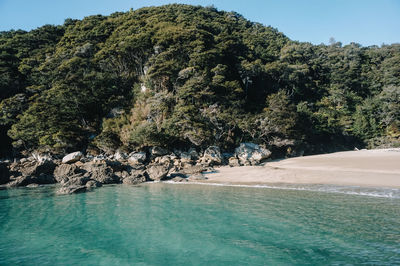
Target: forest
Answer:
[[182, 76]]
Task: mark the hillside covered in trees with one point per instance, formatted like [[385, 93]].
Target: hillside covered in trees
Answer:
[[181, 76]]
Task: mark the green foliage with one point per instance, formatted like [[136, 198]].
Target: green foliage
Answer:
[[181, 75]]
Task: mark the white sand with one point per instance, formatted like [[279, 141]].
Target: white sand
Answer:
[[373, 168]]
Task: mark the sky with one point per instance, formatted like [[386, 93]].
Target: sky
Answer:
[[367, 22]]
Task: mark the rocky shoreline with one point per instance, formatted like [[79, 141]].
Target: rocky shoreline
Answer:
[[77, 172]]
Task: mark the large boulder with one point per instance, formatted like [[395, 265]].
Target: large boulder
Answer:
[[72, 157], [100, 172], [157, 172], [157, 151], [36, 169], [195, 169], [137, 158], [76, 180], [93, 184], [251, 154], [4, 174], [212, 155], [63, 172]]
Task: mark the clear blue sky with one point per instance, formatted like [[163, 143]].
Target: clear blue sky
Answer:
[[366, 22]]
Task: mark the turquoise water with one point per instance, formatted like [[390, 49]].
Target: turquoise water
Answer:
[[166, 224]]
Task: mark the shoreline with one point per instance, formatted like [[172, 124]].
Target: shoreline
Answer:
[[364, 168]]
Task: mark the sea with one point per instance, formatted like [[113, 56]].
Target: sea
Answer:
[[197, 224]]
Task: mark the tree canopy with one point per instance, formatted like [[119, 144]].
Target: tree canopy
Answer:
[[191, 76]]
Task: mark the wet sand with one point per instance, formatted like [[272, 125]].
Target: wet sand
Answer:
[[367, 168]]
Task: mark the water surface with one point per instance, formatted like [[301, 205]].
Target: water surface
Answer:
[[166, 224]]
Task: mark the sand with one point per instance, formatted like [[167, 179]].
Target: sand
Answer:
[[367, 168]]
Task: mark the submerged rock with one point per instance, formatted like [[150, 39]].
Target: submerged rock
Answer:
[[71, 189], [72, 157]]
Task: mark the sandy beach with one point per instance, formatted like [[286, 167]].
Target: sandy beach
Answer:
[[369, 168]]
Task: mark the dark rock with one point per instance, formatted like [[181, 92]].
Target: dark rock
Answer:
[[180, 175], [93, 184], [179, 179], [4, 174], [100, 172], [157, 151], [36, 169], [63, 172]]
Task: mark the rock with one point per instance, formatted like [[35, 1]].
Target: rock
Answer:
[[233, 161], [76, 180], [197, 177], [213, 155], [33, 185], [71, 189], [93, 184], [72, 157], [22, 181], [195, 169], [157, 151], [116, 165], [36, 169], [131, 180], [64, 171], [43, 179], [100, 172], [137, 158], [134, 177], [120, 156], [157, 172], [251, 154], [23, 160], [163, 160], [185, 157], [181, 175], [4, 174], [193, 153], [179, 179]]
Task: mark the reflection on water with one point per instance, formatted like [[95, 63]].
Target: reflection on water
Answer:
[[196, 224]]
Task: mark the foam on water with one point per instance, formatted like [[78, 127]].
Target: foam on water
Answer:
[[349, 190]]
